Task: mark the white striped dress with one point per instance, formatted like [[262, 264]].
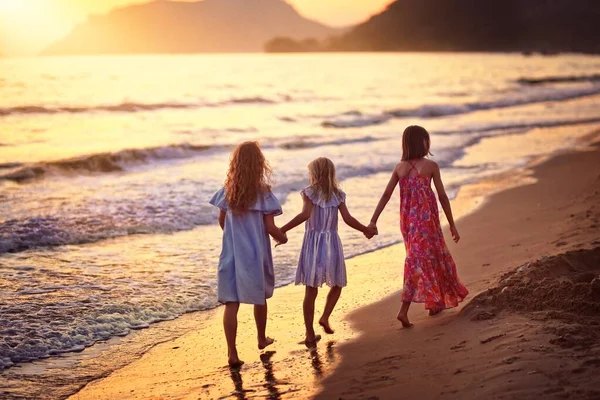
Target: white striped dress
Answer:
[[322, 255]]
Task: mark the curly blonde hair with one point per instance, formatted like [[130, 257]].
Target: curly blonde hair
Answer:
[[249, 175], [321, 177]]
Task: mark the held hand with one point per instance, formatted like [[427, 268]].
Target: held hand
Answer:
[[279, 243], [454, 232], [370, 231], [373, 227]]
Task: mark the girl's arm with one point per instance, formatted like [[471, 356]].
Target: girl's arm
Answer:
[[353, 222], [222, 219], [385, 197], [444, 201], [273, 230], [307, 207]]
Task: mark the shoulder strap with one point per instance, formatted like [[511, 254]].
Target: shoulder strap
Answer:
[[412, 167]]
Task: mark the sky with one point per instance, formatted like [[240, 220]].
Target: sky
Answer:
[[27, 26]]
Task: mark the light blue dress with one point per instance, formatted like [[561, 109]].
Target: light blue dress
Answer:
[[322, 255], [246, 265]]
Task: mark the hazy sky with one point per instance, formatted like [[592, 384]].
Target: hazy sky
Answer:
[[26, 26]]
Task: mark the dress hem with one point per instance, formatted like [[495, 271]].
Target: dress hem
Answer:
[[244, 302], [445, 307], [298, 283]]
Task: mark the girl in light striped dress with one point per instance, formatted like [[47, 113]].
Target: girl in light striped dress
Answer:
[[322, 256]]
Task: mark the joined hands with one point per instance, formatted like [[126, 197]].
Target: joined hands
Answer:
[[279, 243], [371, 230]]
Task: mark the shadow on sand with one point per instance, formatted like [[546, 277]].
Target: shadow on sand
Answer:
[[269, 387], [270, 382]]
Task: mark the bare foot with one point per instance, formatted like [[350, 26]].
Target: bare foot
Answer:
[[235, 362], [326, 327], [311, 341], [435, 311], [404, 319], [264, 343]]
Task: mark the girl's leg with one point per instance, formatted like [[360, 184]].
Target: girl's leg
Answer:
[[230, 327], [332, 298], [403, 314], [308, 307], [260, 316]]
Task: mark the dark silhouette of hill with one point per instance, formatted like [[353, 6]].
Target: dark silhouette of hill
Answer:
[[181, 27], [474, 25]]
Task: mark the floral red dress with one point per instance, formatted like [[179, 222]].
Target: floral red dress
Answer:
[[429, 270]]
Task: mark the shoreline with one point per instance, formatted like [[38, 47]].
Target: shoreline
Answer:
[[122, 351], [311, 366]]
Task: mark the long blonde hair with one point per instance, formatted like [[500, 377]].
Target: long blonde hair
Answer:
[[249, 175], [321, 176]]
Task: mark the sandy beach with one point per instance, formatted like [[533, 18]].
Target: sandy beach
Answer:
[[526, 334], [529, 334], [120, 121]]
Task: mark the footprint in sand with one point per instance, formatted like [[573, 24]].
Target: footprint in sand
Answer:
[[460, 346], [510, 360], [484, 341]]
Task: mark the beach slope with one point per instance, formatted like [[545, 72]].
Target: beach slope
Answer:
[[492, 348], [531, 259]]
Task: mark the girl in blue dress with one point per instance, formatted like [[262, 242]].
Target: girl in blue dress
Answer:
[[247, 217], [322, 256]]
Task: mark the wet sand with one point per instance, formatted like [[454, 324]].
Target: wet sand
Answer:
[[490, 349], [193, 366]]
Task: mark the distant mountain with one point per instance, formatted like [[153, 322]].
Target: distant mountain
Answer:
[[472, 25], [182, 27]]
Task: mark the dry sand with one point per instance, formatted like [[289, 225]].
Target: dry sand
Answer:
[[505, 344], [534, 334]]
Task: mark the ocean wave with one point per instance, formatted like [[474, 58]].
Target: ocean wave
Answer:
[[10, 165], [110, 218], [85, 327], [129, 107], [559, 79], [539, 95], [287, 119], [249, 100], [307, 144], [499, 126], [97, 219], [100, 163], [123, 107], [355, 121]]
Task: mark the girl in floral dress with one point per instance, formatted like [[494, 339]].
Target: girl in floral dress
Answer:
[[429, 271]]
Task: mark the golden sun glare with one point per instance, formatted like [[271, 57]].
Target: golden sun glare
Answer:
[[26, 25]]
